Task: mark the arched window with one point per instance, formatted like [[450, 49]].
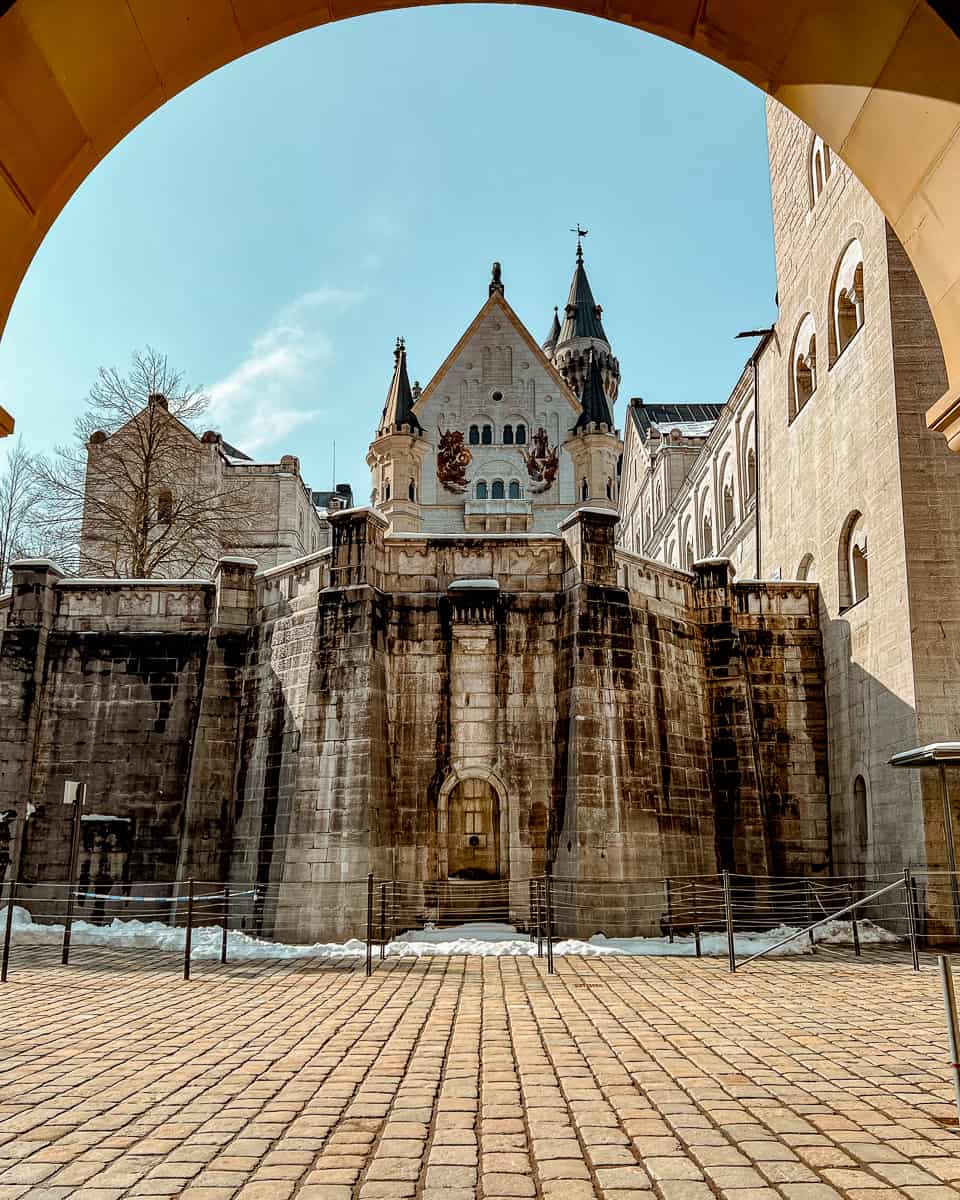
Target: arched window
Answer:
[[514, 491], [819, 167], [807, 571], [165, 507], [859, 825], [706, 536], [486, 435], [688, 557], [658, 503], [508, 435], [751, 473], [497, 490], [609, 489], [584, 490], [474, 435], [671, 556], [846, 300], [386, 491], [852, 554], [647, 524], [521, 435], [412, 491], [638, 544], [803, 365], [481, 492], [728, 511]]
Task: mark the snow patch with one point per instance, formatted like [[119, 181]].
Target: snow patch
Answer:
[[485, 938]]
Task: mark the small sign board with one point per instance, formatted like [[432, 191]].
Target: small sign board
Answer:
[[73, 792]]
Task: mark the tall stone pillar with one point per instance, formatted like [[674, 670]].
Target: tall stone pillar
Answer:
[[742, 827], [210, 810], [22, 652]]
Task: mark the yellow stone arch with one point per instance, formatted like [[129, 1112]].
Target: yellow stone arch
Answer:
[[878, 79]]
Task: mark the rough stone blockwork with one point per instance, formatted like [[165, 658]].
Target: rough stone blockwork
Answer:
[[422, 710]]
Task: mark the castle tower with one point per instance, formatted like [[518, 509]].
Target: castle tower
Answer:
[[594, 444], [582, 331], [397, 453]]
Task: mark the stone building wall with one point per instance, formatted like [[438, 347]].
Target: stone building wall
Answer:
[[297, 728], [853, 447]]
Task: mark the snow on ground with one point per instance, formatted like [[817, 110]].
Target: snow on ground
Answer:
[[479, 938]]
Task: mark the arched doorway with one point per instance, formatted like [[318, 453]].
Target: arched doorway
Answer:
[[473, 831], [879, 80]]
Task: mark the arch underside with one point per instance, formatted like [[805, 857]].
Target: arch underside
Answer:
[[878, 79]]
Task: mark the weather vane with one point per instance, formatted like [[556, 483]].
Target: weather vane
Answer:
[[581, 234]]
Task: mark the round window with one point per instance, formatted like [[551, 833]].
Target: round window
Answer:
[[497, 396]]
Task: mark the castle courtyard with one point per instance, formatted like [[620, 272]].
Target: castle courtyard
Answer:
[[802, 1079]]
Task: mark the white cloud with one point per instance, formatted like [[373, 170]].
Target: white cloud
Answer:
[[272, 390]]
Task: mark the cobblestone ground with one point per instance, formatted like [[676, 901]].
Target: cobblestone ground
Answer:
[[457, 1078]]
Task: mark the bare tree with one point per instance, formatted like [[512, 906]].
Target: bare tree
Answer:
[[18, 507], [137, 493]]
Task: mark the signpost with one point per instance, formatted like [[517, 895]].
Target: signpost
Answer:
[[73, 793]]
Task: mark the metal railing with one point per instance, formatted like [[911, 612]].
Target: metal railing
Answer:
[[366, 920]]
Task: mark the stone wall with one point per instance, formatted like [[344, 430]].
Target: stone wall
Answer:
[[297, 728]]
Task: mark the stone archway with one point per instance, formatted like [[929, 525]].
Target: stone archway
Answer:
[[473, 827], [879, 80]]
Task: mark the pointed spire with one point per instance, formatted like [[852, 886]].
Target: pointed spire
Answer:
[[398, 410], [593, 399], [582, 313], [552, 337]]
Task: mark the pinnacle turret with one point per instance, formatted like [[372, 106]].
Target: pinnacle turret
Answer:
[[551, 343], [398, 409], [593, 398], [582, 312]]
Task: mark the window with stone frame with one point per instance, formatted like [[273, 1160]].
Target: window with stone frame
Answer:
[[520, 435], [165, 507], [473, 437], [803, 366], [853, 566], [497, 492], [481, 491], [508, 435], [846, 300], [819, 167], [486, 435], [515, 492]]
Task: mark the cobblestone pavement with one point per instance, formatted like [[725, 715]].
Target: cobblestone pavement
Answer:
[[454, 1078]]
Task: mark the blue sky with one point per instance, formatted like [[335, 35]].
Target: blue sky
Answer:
[[276, 226]]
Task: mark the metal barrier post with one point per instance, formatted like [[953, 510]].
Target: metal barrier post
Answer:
[[728, 915], [666, 888], [810, 910], [188, 935], [953, 1033], [383, 921], [8, 930], [853, 923], [226, 923], [548, 892], [538, 885], [911, 926], [696, 920], [369, 961]]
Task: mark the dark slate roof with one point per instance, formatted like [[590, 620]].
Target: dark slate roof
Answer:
[[694, 419], [593, 399], [582, 317], [233, 452], [398, 409], [340, 497], [554, 335]]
